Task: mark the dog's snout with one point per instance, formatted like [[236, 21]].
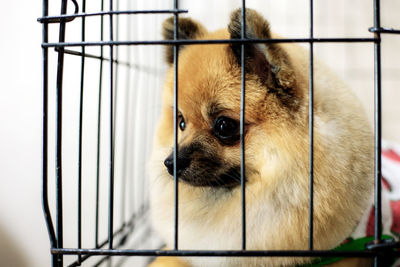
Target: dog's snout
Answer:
[[183, 163]]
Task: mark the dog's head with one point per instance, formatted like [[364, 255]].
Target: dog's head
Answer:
[[209, 99]]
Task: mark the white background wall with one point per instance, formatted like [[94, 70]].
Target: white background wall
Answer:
[[23, 240], [23, 236]]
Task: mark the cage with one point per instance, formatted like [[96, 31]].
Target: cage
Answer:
[[102, 76]]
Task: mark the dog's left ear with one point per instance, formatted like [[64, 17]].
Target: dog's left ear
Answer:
[[267, 60], [187, 29]]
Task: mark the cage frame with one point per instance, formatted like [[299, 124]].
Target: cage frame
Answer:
[[378, 249]]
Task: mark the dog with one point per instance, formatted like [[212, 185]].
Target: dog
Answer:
[[276, 139]]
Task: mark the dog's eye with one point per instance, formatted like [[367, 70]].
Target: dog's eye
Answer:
[[226, 129], [181, 122]]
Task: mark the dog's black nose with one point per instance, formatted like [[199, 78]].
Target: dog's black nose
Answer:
[[183, 163], [169, 163]]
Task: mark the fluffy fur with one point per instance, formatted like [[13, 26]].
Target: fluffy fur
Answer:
[[276, 149]]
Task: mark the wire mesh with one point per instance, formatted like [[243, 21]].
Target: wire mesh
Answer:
[[117, 142]]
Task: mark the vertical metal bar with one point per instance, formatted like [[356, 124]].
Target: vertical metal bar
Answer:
[[99, 129], [122, 218], [80, 136], [133, 100], [126, 121], [111, 189], [147, 93], [242, 123], [311, 131], [176, 51], [378, 124], [45, 201], [60, 69], [132, 106]]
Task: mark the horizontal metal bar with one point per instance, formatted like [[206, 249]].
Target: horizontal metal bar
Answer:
[[221, 41], [66, 18], [384, 30], [120, 62], [53, 19], [80, 54], [224, 253]]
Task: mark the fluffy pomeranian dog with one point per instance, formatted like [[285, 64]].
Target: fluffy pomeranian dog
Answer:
[[276, 149]]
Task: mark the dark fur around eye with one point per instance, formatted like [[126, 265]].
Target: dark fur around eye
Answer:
[[226, 130]]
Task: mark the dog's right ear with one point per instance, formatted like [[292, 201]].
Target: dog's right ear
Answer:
[[187, 29], [267, 60]]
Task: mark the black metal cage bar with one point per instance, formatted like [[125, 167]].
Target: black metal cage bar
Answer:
[[83, 27], [213, 41], [176, 186], [377, 129], [59, 190], [112, 134], [45, 199], [128, 221], [311, 130], [57, 19], [98, 130], [242, 124]]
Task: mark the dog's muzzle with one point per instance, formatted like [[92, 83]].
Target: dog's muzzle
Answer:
[[202, 169], [183, 163]]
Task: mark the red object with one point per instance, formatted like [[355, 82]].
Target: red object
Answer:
[[395, 207], [391, 154], [386, 184], [371, 223]]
